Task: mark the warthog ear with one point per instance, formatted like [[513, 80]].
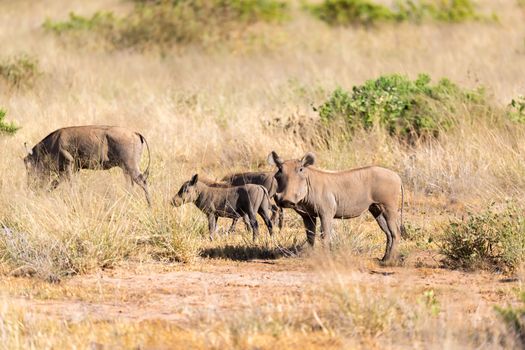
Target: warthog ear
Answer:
[[274, 159], [28, 150], [308, 159], [194, 179]]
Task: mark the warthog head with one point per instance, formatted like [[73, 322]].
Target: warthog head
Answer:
[[292, 185], [187, 193], [34, 167]]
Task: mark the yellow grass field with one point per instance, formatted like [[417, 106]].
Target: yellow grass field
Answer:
[[90, 266]]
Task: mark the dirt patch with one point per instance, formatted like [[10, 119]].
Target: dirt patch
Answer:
[[182, 293]]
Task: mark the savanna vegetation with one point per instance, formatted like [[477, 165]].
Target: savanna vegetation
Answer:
[[368, 12], [430, 89]]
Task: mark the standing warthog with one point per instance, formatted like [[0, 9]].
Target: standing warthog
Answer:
[[229, 202], [325, 194], [263, 178], [88, 147]]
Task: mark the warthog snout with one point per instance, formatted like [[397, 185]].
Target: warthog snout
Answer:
[[176, 201], [282, 202]]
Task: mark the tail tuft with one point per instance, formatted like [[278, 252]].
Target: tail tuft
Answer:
[[144, 141]]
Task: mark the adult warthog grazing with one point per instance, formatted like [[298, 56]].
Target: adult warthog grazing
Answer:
[[263, 178], [346, 194], [229, 202], [70, 149]]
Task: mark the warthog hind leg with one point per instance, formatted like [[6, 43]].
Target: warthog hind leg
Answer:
[[265, 214], [140, 180], [376, 211], [254, 224], [391, 217]]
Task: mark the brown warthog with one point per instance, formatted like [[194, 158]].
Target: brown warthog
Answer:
[[263, 178], [88, 147], [325, 194], [229, 202]]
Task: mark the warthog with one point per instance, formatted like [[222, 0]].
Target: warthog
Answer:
[[229, 202], [88, 147], [325, 194], [263, 178]]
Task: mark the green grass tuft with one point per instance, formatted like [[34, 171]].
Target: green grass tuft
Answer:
[[7, 128]]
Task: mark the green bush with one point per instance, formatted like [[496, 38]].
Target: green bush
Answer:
[[439, 10], [490, 240], [366, 12], [18, 71], [166, 23], [352, 12], [516, 109], [6, 128], [406, 108], [97, 21]]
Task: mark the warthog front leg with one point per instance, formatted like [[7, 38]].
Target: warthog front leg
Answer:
[[232, 226], [247, 224], [64, 169], [212, 225], [277, 216], [281, 217], [309, 224], [326, 227]]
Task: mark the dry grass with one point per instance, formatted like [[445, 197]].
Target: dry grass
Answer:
[[214, 112]]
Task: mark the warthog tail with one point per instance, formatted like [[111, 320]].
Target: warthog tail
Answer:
[[402, 227], [143, 140]]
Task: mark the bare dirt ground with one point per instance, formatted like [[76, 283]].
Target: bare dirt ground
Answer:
[[180, 293]]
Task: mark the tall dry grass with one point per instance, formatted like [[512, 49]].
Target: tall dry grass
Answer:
[[221, 110]]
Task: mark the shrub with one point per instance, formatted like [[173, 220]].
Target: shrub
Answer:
[[516, 109], [405, 108], [453, 10], [165, 23], [352, 12], [97, 21], [489, 240], [366, 12], [442, 10], [21, 70], [6, 128]]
